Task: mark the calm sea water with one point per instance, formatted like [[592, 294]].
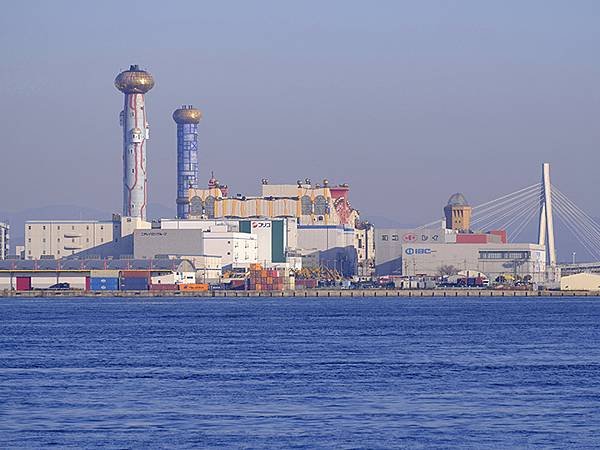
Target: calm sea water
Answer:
[[300, 373]]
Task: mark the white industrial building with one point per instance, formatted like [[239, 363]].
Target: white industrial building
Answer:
[[525, 261], [63, 238], [331, 245], [237, 250], [276, 239]]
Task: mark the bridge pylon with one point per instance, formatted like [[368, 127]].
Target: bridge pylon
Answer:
[[546, 222]]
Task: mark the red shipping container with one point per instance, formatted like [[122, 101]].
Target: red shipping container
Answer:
[[87, 283], [164, 287], [23, 283], [135, 274]]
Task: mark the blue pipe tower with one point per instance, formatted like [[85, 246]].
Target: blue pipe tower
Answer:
[[187, 119]]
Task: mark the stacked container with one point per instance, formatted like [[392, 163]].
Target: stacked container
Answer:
[[163, 287], [270, 279], [135, 280], [104, 280], [196, 287], [23, 283], [306, 283]]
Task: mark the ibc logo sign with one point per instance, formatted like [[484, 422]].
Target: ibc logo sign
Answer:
[[418, 251]]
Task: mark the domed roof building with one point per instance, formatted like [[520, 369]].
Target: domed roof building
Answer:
[[457, 199], [458, 213]]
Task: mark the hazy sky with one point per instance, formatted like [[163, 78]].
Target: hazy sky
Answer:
[[405, 101]]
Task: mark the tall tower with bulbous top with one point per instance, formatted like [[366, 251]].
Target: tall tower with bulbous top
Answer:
[[187, 119], [134, 83]]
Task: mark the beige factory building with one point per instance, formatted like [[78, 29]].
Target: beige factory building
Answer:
[[62, 238], [310, 204]]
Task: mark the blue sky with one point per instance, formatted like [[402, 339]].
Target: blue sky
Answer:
[[407, 102]]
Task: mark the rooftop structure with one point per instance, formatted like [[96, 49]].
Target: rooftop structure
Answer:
[[458, 213], [310, 204]]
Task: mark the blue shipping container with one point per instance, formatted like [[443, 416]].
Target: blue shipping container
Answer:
[[134, 284], [104, 284]]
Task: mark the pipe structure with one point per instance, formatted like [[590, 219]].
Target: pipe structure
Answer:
[[134, 83], [187, 119]]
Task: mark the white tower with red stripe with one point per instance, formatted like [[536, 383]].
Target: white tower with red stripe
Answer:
[[134, 83]]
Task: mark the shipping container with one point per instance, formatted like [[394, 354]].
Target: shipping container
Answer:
[[23, 283], [308, 283], [135, 274], [237, 284], [105, 273], [104, 284], [134, 284], [193, 287], [164, 287]]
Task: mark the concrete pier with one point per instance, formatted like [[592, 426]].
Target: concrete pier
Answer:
[[306, 293]]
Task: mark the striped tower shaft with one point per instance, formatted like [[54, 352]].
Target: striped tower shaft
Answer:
[[187, 165], [135, 135]]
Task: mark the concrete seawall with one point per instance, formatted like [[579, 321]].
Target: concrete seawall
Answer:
[[307, 293]]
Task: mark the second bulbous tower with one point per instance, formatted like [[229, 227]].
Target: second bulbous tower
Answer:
[[187, 119]]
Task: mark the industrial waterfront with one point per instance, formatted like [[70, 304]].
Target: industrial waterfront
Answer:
[[299, 236], [299, 225]]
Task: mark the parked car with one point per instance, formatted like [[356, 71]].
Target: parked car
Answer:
[[60, 286]]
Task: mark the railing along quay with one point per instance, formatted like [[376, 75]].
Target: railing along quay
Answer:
[[305, 293]]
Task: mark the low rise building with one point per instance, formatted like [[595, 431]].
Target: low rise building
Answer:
[[332, 245], [41, 274], [517, 261], [65, 238], [277, 238]]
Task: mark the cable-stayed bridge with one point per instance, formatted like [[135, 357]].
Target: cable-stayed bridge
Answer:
[[543, 201]]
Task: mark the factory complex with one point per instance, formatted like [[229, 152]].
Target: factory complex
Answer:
[[284, 237]]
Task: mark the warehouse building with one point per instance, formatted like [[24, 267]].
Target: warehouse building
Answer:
[[419, 252], [148, 244], [521, 261], [276, 239], [41, 274], [332, 246], [54, 239]]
